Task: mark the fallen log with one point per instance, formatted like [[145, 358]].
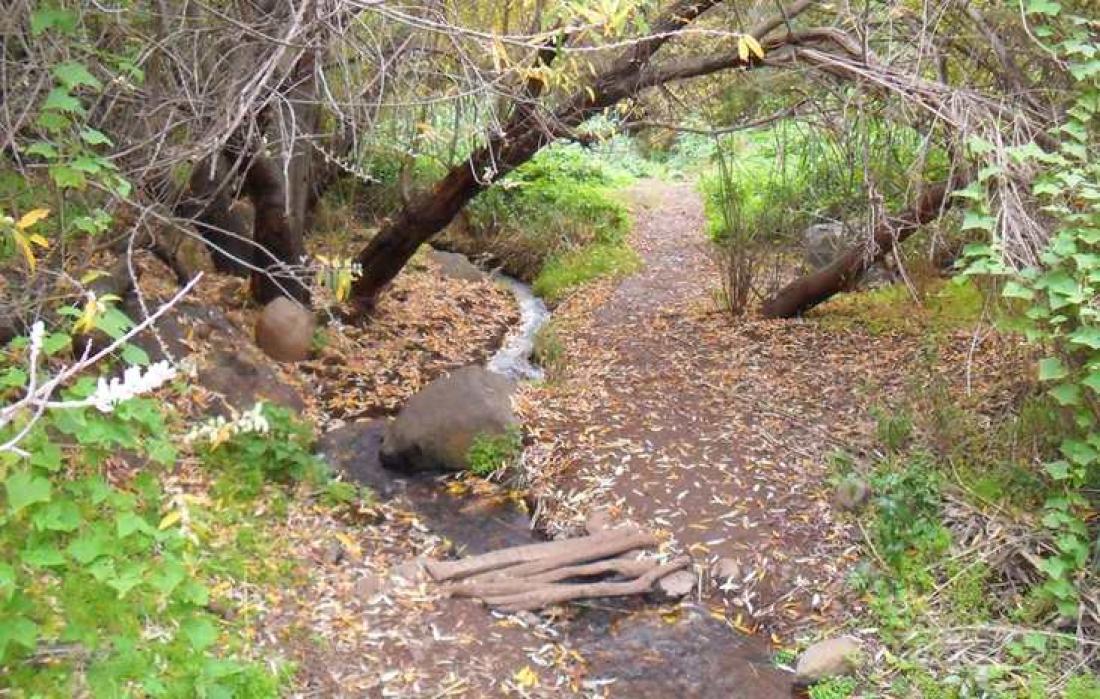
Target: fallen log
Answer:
[[557, 593], [538, 575], [565, 552]]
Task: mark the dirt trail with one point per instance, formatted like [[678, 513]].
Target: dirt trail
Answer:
[[715, 432]]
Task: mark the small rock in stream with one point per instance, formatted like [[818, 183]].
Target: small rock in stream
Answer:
[[726, 570], [677, 585]]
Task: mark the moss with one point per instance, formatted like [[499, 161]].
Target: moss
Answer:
[[564, 273]]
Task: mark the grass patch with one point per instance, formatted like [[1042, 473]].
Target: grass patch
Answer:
[[491, 452], [564, 273], [549, 352], [940, 306]]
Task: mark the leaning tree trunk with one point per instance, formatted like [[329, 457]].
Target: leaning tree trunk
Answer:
[[279, 247], [225, 230], [805, 293]]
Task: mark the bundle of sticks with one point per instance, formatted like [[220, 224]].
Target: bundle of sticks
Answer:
[[535, 576]]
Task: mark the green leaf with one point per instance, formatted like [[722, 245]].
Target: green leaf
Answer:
[[1043, 7], [58, 516], [130, 522], [1052, 369], [88, 547], [1015, 290], [55, 342], [129, 578], [64, 21], [60, 100], [1092, 381], [66, 177], [43, 149], [73, 75], [979, 221], [1058, 470], [18, 631], [200, 632], [47, 456], [7, 582], [1066, 394], [43, 557], [94, 137], [1088, 336], [25, 489]]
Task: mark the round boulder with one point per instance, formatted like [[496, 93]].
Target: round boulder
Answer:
[[437, 427], [825, 659], [285, 330]]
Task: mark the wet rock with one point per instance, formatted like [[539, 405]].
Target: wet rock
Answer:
[[243, 378], [830, 658], [677, 585], [284, 330], [726, 570], [409, 573], [353, 450], [437, 427], [851, 494]]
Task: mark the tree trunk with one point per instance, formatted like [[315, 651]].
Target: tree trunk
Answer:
[[279, 248], [225, 229], [805, 293]]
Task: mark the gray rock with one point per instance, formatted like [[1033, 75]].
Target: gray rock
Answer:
[[677, 585], [726, 570], [851, 494], [284, 330], [830, 658], [353, 450], [242, 379], [456, 266], [437, 427]]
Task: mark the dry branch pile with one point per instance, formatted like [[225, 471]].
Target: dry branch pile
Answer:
[[539, 575]]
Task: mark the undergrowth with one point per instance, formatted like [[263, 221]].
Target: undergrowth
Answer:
[[490, 453]]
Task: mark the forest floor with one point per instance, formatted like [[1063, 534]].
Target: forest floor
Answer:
[[717, 434]]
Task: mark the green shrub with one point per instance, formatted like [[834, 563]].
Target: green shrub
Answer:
[[266, 444], [492, 452]]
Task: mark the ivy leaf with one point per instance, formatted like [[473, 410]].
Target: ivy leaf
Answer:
[[47, 456], [1092, 381], [1058, 470], [25, 489], [1016, 290], [64, 21], [60, 516], [87, 547], [979, 221], [66, 177], [94, 137], [1052, 369]]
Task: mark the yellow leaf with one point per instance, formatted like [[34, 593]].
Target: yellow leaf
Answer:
[[526, 677], [742, 49], [92, 276], [38, 240], [32, 217], [169, 519], [24, 246], [86, 321], [753, 45]]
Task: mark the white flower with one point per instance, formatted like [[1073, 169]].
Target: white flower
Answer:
[[110, 393]]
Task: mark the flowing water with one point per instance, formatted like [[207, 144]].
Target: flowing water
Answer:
[[513, 359]]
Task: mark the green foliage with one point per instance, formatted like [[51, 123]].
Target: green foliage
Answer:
[[893, 428], [1059, 295], [834, 688], [102, 580], [492, 452], [248, 458], [564, 273], [559, 202]]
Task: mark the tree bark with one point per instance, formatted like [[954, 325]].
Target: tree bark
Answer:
[[279, 248], [225, 230], [805, 293]]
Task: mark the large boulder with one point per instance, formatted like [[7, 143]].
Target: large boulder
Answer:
[[437, 427], [284, 330]]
